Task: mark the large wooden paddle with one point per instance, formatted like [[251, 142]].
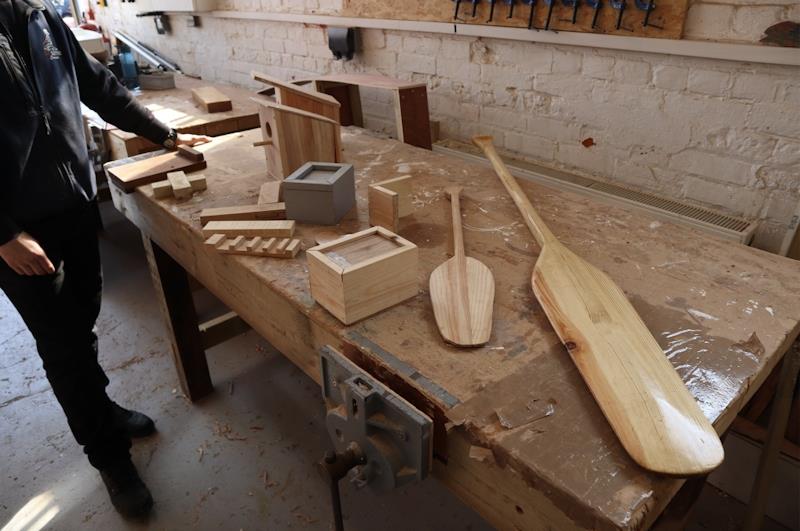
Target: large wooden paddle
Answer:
[[462, 291], [651, 411]]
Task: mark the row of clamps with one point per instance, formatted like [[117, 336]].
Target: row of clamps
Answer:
[[647, 6]]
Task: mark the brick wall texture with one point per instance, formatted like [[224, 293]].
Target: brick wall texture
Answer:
[[719, 133]]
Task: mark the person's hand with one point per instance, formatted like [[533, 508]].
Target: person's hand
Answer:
[[25, 256], [185, 139]]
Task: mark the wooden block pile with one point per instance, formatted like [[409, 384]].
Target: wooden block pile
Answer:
[[179, 185]]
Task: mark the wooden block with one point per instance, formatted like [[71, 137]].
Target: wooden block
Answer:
[[215, 240], [384, 208], [246, 212], [198, 182], [162, 189], [389, 201], [130, 176], [190, 153], [361, 274], [212, 99], [269, 229], [270, 193], [181, 188]]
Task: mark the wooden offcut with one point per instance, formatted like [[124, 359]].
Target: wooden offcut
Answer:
[[361, 274], [265, 229], [462, 291], [163, 189], [243, 212], [255, 246], [129, 176], [212, 99], [648, 406], [181, 187], [270, 193], [390, 200]]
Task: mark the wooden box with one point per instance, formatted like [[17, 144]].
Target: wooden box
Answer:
[[320, 193], [361, 274]]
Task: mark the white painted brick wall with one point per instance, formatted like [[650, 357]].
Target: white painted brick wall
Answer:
[[719, 133]]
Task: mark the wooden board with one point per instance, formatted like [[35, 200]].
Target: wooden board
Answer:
[[462, 291], [390, 200], [270, 193], [558, 463], [265, 229], [245, 212], [212, 99], [666, 21], [256, 246], [153, 169], [292, 95], [648, 406]]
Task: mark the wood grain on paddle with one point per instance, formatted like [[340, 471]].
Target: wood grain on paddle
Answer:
[[462, 291], [648, 406]]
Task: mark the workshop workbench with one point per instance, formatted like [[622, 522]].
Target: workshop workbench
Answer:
[[176, 108], [724, 314]]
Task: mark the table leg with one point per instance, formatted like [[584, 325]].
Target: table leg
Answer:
[[778, 419], [174, 294]]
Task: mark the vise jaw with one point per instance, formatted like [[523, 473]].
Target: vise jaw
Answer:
[[393, 437]]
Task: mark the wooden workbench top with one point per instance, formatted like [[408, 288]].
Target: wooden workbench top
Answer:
[[723, 313]]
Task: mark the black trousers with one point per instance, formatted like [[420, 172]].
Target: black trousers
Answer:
[[60, 311]]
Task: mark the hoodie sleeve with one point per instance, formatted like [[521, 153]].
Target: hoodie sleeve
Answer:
[[8, 229], [102, 92]]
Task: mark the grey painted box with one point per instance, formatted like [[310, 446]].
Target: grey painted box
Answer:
[[320, 192]]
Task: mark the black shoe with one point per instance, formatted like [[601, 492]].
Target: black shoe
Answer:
[[128, 493], [133, 423]]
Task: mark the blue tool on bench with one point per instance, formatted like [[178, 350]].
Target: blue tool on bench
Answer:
[[458, 6], [475, 7], [491, 10]]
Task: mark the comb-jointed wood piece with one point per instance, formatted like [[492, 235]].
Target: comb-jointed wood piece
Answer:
[[650, 409], [257, 246]]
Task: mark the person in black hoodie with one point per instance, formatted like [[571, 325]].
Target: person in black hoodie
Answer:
[[50, 261]]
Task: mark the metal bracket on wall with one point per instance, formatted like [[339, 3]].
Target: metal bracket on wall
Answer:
[[394, 436]]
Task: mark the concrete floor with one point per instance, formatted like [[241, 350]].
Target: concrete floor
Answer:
[[240, 459]]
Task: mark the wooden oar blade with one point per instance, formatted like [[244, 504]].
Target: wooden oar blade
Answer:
[[650, 409], [462, 301]]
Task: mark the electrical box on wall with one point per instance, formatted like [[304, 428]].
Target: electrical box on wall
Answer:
[[187, 5]]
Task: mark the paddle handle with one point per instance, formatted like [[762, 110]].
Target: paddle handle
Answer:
[[455, 210], [532, 219]]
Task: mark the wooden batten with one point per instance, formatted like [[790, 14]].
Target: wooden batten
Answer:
[[270, 192], [361, 274], [245, 212], [265, 229], [255, 246]]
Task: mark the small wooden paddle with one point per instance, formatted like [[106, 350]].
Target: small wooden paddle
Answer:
[[462, 291], [648, 406]]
